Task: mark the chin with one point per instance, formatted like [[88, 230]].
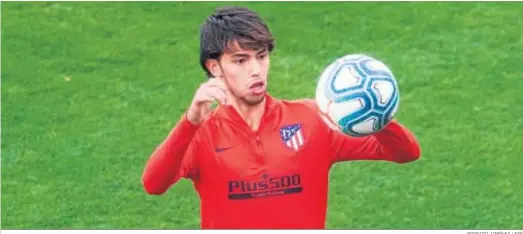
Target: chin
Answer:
[[253, 101]]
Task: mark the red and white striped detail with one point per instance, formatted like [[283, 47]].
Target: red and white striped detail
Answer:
[[296, 141]]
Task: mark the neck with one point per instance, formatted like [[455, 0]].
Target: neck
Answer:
[[251, 114]]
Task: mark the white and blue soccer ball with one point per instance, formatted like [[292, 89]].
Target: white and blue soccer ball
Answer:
[[357, 95]]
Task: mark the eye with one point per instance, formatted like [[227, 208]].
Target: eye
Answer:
[[262, 56], [239, 61]]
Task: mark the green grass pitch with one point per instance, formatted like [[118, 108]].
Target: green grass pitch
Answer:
[[90, 89]]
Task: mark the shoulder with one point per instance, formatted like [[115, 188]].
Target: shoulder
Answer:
[[301, 105], [308, 110], [303, 109]]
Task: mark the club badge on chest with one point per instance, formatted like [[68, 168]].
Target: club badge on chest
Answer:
[[292, 136]]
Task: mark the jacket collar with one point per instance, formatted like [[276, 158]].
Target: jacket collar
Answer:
[[230, 113]]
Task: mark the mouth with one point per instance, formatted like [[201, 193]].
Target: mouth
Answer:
[[257, 88]]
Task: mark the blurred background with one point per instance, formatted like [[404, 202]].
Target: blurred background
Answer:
[[90, 89]]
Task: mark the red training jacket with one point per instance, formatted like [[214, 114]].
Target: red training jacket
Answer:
[[273, 178]]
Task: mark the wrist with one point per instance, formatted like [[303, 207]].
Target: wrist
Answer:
[[191, 119]]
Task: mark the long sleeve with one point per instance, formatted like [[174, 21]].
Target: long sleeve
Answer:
[[174, 158], [394, 143]]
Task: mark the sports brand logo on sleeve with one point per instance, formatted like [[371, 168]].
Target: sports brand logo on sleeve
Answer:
[[292, 136]]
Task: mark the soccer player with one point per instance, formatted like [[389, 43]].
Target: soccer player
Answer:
[[257, 162]]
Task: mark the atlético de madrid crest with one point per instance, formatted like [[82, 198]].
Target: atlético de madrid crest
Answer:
[[292, 136]]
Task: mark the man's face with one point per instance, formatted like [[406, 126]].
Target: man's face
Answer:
[[245, 73]]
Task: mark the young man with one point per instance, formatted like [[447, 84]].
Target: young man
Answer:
[[256, 161]]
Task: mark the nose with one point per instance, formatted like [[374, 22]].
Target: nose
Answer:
[[256, 67]]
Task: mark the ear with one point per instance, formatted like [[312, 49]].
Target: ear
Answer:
[[214, 67]]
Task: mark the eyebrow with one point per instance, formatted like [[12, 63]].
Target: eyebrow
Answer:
[[240, 55], [243, 55]]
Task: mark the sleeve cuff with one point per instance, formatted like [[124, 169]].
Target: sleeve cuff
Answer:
[[188, 125]]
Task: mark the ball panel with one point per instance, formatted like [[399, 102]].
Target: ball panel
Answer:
[[332, 91], [366, 126], [346, 78], [378, 93], [375, 67], [384, 90], [347, 114], [339, 110], [362, 126]]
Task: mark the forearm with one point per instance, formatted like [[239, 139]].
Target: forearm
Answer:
[[394, 143], [163, 167]]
